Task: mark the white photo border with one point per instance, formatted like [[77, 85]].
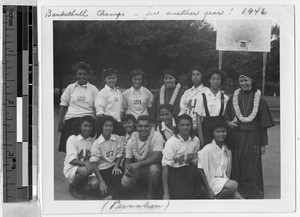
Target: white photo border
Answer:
[[282, 14]]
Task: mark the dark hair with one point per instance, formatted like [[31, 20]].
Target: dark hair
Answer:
[[169, 107], [82, 65], [128, 117], [210, 72], [184, 117], [136, 72], [106, 118], [87, 118], [197, 68], [143, 118], [219, 124], [109, 72]]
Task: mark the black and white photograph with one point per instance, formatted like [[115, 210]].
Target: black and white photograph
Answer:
[[161, 108]]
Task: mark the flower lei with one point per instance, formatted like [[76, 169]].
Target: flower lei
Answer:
[[134, 142], [174, 95], [237, 108]]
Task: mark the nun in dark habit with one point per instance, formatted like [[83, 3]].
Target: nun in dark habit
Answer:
[[248, 116]]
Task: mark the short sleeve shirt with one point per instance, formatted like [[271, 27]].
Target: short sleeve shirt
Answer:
[[137, 102], [189, 100], [213, 104], [215, 161], [178, 153], [168, 132], [105, 152], [77, 148], [156, 144], [79, 100]]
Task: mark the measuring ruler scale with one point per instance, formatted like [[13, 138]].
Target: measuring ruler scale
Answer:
[[20, 90]]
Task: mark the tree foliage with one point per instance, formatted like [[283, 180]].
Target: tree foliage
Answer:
[[150, 45]]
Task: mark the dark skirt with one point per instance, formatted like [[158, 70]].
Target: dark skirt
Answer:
[[185, 183], [68, 130], [246, 163], [113, 182]]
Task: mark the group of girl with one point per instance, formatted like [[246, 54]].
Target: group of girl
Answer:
[[202, 127]]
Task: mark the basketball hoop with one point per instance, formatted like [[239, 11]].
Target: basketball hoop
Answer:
[[242, 44], [243, 35]]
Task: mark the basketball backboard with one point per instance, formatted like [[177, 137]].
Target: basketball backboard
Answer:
[[244, 35]]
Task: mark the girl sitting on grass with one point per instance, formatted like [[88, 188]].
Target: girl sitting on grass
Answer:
[[77, 168]]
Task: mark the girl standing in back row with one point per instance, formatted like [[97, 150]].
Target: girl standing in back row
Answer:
[[211, 105], [137, 100], [109, 102], [169, 93], [76, 101], [189, 99]]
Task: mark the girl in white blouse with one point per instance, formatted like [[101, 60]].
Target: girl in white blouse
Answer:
[[77, 168], [109, 102], [76, 101], [215, 160], [211, 105], [137, 100], [106, 155], [190, 97]]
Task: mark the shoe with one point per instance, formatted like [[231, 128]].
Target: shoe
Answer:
[[110, 197], [149, 196], [77, 195], [74, 192]]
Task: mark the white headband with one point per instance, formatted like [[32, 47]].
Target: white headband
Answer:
[[245, 77], [170, 76]]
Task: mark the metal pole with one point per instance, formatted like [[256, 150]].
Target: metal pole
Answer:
[[220, 59], [264, 72]]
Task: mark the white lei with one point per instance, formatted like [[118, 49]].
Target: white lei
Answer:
[[135, 150], [174, 95], [237, 108]]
